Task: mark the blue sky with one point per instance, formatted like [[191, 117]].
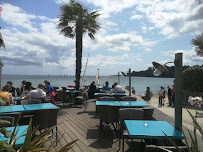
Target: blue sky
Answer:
[[133, 34]]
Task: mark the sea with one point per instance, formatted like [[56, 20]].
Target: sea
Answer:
[[139, 83]]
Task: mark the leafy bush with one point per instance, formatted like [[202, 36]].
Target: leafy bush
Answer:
[[31, 144], [193, 79]]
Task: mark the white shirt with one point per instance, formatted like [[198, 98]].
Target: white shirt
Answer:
[[161, 92], [36, 94], [117, 88]]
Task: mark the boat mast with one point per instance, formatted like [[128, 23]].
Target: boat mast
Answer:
[[84, 79]]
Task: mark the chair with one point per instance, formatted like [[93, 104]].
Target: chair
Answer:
[[106, 98], [128, 114], [30, 101], [148, 113], [27, 115], [7, 118], [108, 115], [62, 96], [128, 98], [45, 119]]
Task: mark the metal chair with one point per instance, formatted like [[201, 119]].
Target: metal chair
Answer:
[[107, 98], [148, 113], [27, 115], [128, 114], [45, 119], [62, 96], [128, 98], [7, 118], [108, 115]]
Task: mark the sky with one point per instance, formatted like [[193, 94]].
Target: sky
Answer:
[[133, 34]]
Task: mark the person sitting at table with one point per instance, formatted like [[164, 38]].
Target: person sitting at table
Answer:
[[147, 95], [37, 93], [23, 85], [92, 90], [50, 88], [106, 87], [12, 89], [28, 88], [117, 87], [5, 95]]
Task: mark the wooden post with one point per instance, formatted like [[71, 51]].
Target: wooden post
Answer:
[[129, 81], [178, 91]]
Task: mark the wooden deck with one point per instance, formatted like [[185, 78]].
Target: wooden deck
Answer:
[[84, 125]]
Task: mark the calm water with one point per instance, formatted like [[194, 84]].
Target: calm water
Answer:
[[139, 83]]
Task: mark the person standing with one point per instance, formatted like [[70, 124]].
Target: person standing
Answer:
[[160, 93], [133, 90], [173, 96], [169, 97]]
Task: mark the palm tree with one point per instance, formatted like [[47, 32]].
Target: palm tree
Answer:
[[75, 20]]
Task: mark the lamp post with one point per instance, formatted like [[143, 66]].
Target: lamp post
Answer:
[[178, 86]]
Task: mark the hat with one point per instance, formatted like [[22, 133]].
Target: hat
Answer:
[[10, 82]]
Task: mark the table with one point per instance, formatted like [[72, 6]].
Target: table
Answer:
[[142, 129], [20, 141], [13, 108], [112, 94], [108, 103], [123, 104], [41, 106], [131, 104]]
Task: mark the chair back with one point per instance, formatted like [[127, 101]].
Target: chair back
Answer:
[[30, 101], [107, 98], [130, 114], [148, 113], [61, 95], [45, 118], [109, 114], [9, 119], [128, 98]]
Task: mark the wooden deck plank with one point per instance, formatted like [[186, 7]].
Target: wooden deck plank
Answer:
[[84, 125]]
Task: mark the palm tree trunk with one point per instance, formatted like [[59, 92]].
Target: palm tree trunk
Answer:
[[78, 54]]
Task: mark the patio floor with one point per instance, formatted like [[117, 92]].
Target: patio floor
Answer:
[[84, 125]]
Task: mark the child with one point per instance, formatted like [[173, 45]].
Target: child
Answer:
[[133, 90]]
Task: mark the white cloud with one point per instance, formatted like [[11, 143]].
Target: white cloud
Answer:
[[15, 16], [119, 42], [189, 57], [134, 17], [174, 17]]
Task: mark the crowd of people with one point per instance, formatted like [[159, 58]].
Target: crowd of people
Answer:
[[106, 88], [171, 96], [26, 90]]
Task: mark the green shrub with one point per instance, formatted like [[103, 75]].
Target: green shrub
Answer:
[[193, 79]]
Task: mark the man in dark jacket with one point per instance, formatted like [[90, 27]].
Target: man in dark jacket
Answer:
[[169, 96]]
